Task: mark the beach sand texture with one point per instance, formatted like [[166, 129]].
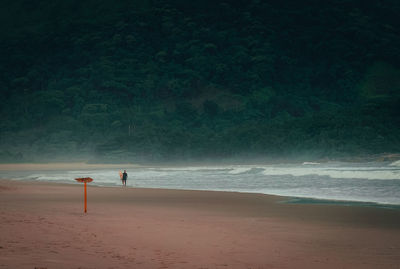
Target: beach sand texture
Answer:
[[42, 225]]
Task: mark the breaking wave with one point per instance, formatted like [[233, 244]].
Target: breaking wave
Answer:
[[396, 163]]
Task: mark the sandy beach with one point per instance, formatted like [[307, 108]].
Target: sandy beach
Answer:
[[42, 225]]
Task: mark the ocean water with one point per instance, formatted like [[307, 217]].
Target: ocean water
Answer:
[[357, 182]]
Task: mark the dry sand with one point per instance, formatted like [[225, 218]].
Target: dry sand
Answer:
[[42, 225]]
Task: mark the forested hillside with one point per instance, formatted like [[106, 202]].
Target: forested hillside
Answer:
[[193, 80]]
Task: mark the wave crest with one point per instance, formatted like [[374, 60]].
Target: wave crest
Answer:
[[396, 163]]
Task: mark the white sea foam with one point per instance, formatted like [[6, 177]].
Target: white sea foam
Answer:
[[362, 173], [396, 163], [240, 169], [310, 163], [191, 168]]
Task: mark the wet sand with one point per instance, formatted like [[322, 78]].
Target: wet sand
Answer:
[[42, 225]]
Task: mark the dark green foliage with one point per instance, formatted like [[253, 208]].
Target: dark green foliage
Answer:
[[165, 80]]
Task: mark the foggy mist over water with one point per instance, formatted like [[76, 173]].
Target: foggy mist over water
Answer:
[[365, 182]]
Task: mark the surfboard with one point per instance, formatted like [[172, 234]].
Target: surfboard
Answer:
[[120, 175]]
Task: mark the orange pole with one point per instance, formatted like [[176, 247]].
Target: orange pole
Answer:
[[85, 198]]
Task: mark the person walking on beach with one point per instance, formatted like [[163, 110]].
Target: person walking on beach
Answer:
[[124, 178]]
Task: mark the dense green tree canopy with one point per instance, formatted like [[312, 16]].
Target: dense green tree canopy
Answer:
[[154, 80]]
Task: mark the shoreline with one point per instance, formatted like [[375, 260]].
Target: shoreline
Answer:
[[284, 198], [43, 225], [350, 203]]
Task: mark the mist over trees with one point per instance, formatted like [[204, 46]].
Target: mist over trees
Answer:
[[180, 80]]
